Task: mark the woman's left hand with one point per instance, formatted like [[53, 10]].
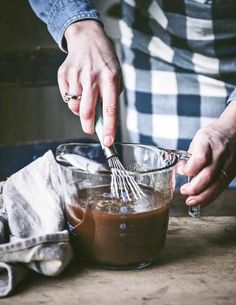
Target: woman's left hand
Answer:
[[213, 159]]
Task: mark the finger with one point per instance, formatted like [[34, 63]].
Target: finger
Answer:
[[62, 82], [211, 193], [87, 107], [199, 182], [109, 92], [74, 105], [205, 177], [200, 156], [75, 89]]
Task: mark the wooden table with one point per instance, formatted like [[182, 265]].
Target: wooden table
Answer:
[[197, 266]]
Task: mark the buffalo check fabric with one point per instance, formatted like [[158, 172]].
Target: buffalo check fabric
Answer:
[[179, 64]]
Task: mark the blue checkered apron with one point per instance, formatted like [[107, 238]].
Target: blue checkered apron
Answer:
[[179, 66]]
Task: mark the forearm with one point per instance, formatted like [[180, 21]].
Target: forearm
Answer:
[[59, 14]]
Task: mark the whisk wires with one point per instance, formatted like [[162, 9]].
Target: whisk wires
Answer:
[[123, 185]]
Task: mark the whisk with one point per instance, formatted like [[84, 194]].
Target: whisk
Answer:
[[123, 185]]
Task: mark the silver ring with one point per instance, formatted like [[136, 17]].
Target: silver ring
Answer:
[[70, 96], [224, 174]]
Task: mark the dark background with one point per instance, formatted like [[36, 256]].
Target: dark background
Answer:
[[31, 108]]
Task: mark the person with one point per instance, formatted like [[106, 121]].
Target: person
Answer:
[[178, 63]]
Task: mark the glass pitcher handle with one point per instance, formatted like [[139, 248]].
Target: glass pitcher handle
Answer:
[[193, 211]]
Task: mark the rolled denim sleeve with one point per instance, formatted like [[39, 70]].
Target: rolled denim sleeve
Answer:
[[59, 14], [232, 96]]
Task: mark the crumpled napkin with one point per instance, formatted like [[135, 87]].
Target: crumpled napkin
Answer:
[[33, 230]]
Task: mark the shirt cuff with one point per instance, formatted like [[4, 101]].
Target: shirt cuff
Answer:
[[64, 13], [232, 96]]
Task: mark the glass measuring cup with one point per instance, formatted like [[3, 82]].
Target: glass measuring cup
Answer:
[[114, 232]]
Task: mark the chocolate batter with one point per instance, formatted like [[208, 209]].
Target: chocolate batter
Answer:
[[109, 232]]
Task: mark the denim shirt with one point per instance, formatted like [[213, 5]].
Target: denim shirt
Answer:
[[59, 14]]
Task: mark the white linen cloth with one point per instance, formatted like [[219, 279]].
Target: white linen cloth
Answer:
[[33, 230]]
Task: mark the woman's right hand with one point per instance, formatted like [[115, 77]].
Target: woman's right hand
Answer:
[[91, 71]]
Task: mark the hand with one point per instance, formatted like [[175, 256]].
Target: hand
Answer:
[[213, 150], [91, 71]]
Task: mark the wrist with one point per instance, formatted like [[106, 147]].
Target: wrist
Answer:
[[228, 119], [79, 26]]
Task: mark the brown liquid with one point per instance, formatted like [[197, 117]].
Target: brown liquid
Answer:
[[117, 234]]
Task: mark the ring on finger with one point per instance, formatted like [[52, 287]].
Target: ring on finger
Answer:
[[70, 96], [226, 176]]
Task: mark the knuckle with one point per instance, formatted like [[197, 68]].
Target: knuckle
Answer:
[[87, 79], [193, 190], [201, 158], [200, 132], [111, 76], [86, 114], [91, 76], [110, 110], [208, 177], [221, 147], [72, 72], [62, 72]]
